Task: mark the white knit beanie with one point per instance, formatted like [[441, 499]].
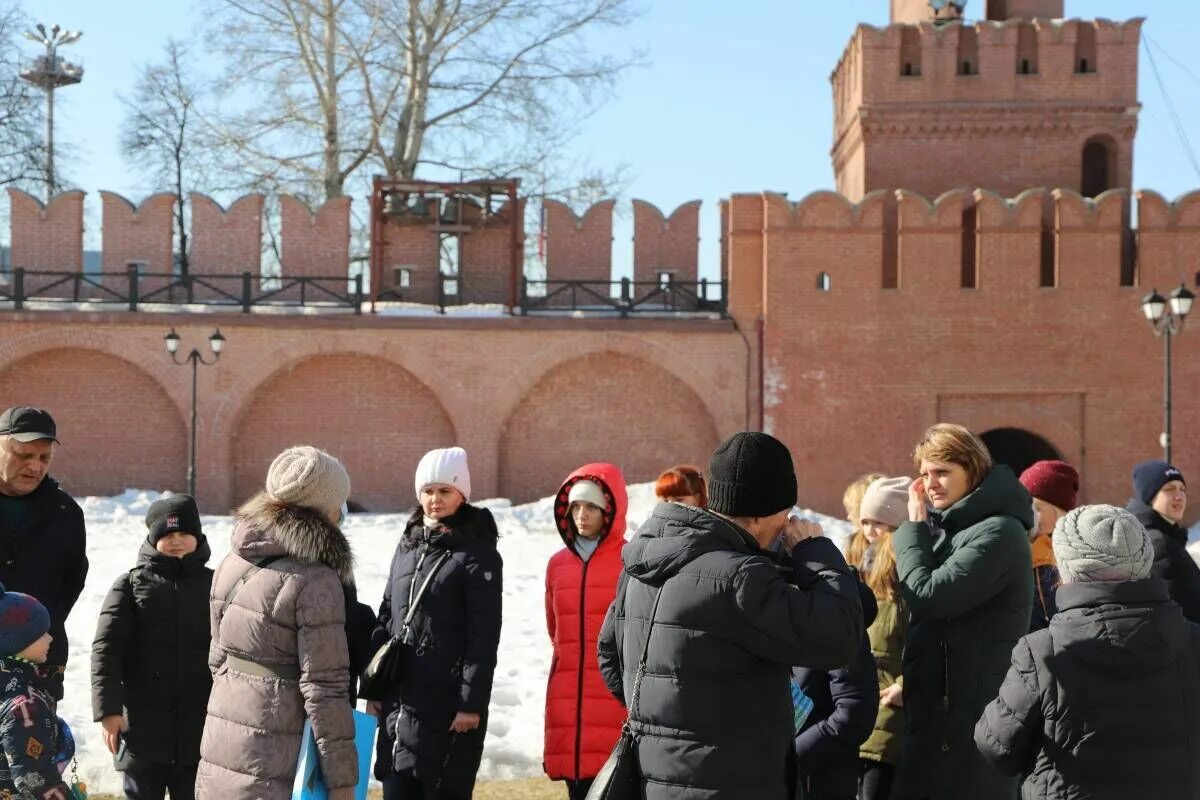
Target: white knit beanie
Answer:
[[1101, 543], [445, 467], [886, 501], [308, 477], [588, 492]]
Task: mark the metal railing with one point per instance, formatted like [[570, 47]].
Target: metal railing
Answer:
[[135, 289], [630, 297]]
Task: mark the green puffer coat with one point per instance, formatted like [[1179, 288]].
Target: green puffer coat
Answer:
[[887, 645], [970, 593]]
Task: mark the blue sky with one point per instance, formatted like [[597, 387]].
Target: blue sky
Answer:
[[733, 97]]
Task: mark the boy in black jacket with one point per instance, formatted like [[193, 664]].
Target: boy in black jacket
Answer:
[[150, 677]]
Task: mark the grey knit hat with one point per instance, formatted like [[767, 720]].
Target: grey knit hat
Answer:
[[886, 501], [308, 477], [1101, 543]]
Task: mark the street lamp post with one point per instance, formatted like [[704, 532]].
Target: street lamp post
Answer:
[[1166, 318], [50, 72], [216, 342]]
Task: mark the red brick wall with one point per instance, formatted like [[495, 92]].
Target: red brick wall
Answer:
[[852, 376], [669, 244], [143, 234], [942, 130], [118, 428], [579, 248], [315, 243], [377, 418], [376, 390], [487, 254], [46, 238], [411, 245], [602, 407], [225, 243]]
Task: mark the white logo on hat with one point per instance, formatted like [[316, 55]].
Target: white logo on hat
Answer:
[[172, 520], [487, 575]]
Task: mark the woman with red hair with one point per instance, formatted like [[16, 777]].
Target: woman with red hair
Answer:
[[682, 484]]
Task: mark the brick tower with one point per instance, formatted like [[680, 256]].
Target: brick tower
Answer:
[[1022, 99]]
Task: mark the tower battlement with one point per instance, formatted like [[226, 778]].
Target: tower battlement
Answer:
[[1007, 104]]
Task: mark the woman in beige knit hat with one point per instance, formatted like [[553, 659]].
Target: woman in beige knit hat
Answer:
[[279, 654]]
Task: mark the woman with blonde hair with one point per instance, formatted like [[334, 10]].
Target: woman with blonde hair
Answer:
[[884, 508], [856, 545], [963, 562]]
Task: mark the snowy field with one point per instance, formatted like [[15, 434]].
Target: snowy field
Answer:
[[527, 540]]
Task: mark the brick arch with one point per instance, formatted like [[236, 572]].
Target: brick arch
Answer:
[[119, 428], [602, 407], [375, 415]]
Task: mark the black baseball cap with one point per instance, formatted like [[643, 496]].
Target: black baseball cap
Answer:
[[27, 424]]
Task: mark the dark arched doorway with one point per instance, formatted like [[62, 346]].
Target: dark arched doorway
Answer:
[[1098, 168], [1018, 447]]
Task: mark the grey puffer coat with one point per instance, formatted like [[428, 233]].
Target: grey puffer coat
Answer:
[[288, 617]]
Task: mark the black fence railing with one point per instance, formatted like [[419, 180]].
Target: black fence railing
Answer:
[[624, 297], [135, 289]]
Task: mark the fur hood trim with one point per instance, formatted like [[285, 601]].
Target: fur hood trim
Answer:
[[299, 533]]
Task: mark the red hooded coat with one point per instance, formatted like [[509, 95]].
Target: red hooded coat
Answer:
[[583, 720]]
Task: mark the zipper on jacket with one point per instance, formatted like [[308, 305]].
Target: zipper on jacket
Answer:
[[945, 677], [582, 650]]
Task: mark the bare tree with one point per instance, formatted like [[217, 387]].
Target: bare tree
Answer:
[[163, 132], [22, 150], [487, 87]]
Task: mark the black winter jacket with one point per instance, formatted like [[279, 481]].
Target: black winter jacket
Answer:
[[29, 734], [150, 656], [449, 655], [714, 715], [1105, 703], [845, 705], [47, 558], [1172, 562]]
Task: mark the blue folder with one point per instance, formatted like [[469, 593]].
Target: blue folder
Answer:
[[310, 784]]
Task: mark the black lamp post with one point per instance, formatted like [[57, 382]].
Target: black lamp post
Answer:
[[216, 342], [1166, 318]]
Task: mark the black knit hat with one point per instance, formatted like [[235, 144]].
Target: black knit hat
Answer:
[[174, 514], [751, 475]]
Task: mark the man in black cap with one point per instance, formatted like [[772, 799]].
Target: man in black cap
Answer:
[[43, 544], [705, 599]]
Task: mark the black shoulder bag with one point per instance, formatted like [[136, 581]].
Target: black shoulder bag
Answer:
[[621, 776], [383, 670]]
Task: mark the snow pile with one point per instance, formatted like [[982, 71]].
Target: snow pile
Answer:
[[527, 540]]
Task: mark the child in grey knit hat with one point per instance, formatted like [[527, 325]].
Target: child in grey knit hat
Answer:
[[1105, 702]]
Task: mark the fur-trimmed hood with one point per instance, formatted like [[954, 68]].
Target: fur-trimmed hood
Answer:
[[265, 527]]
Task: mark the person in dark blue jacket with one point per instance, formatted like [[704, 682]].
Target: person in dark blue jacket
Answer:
[[845, 704]]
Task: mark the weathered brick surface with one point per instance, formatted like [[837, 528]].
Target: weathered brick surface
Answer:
[[666, 244], [118, 428], [940, 129], [142, 234], [377, 391], [225, 242], [314, 244], [649, 421], [46, 238]]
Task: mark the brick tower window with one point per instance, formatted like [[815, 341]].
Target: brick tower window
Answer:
[[1085, 48], [1027, 50], [910, 52], [968, 51], [1099, 167]]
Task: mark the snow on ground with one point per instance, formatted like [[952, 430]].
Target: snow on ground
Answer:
[[527, 540]]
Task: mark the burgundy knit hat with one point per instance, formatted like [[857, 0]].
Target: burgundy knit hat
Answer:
[[1055, 482]]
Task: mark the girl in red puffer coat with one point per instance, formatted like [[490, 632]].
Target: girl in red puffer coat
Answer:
[[583, 720]]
